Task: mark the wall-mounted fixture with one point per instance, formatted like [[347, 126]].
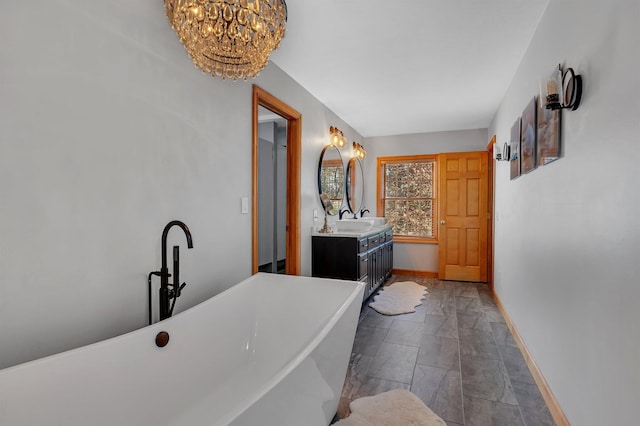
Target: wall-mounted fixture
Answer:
[[229, 38], [336, 137], [561, 90], [359, 151], [502, 154]]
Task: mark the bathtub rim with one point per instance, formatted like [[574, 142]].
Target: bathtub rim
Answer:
[[250, 398], [296, 359]]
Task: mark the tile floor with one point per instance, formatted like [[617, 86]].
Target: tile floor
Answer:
[[455, 352]]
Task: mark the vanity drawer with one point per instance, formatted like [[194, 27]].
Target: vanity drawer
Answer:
[[374, 241], [363, 245], [363, 265]]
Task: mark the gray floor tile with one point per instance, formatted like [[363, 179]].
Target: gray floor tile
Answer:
[[477, 343], [440, 390], [439, 306], [368, 340], [515, 365], [439, 351], [473, 320], [487, 379], [405, 333], [394, 362], [487, 299], [440, 325], [442, 294], [374, 319], [493, 314], [480, 412], [467, 304], [469, 290], [502, 334], [534, 409], [356, 373], [457, 335]]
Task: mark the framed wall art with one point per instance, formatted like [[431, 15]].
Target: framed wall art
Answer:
[[514, 158], [528, 132], [548, 141]]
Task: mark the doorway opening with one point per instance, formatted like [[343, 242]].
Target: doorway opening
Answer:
[[277, 141]]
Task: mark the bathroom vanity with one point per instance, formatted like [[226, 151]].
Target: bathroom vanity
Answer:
[[366, 256]]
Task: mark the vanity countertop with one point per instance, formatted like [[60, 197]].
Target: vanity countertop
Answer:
[[372, 231]]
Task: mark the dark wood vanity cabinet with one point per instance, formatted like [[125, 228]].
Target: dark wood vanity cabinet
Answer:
[[367, 258]]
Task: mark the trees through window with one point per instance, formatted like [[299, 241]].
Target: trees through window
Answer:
[[407, 188]]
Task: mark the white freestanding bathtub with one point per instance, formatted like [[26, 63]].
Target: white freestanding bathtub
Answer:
[[271, 350]]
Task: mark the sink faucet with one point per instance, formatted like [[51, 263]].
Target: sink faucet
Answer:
[[166, 294], [362, 212], [341, 212]]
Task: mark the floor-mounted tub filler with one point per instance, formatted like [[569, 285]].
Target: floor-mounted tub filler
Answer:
[[272, 349]]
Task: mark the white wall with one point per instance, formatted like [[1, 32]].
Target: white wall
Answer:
[[415, 257], [567, 244], [108, 133]]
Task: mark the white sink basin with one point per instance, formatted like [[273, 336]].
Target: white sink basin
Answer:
[[354, 225], [378, 221]]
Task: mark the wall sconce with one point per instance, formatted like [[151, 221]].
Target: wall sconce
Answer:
[[336, 137], [561, 90], [359, 151], [502, 155]]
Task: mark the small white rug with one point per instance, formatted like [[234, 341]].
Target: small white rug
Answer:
[[394, 408], [399, 298]]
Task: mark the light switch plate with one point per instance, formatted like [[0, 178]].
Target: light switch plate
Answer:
[[244, 201]]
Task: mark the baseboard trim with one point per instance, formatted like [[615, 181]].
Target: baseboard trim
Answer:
[[552, 403], [412, 273]]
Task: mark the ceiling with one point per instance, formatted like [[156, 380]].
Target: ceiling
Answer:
[[408, 66]]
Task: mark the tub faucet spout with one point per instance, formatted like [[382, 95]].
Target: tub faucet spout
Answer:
[[166, 294]]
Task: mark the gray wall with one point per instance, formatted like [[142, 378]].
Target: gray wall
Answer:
[[416, 257], [108, 133], [567, 236]]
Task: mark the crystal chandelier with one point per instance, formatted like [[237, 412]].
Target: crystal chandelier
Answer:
[[229, 38]]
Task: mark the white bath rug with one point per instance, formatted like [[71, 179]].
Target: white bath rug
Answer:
[[394, 408], [399, 298]]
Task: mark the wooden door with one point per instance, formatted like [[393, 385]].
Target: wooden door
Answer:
[[294, 156], [462, 252]]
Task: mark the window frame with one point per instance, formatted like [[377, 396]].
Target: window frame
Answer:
[[380, 193]]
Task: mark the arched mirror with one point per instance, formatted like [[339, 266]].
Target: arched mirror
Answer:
[[355, 185], [331, 178]]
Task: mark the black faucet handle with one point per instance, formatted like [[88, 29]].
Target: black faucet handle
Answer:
[[179, 290]]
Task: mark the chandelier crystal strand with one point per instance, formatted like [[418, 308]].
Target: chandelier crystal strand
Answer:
[[229, 38]]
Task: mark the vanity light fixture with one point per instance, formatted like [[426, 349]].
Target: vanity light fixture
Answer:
[[336, 137], [359, 151], [562, 90], [229, 38]]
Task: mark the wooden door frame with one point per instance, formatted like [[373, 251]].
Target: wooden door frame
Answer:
[[294, 159]]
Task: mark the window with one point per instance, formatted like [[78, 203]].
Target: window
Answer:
[[407, 188]]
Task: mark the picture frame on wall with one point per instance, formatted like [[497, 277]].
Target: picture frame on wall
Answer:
[[528, 133], [548, 135], [514, 158]]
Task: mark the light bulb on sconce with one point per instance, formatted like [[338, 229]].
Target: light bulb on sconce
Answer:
[[336, 137], [359, 151], [561, 90]]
